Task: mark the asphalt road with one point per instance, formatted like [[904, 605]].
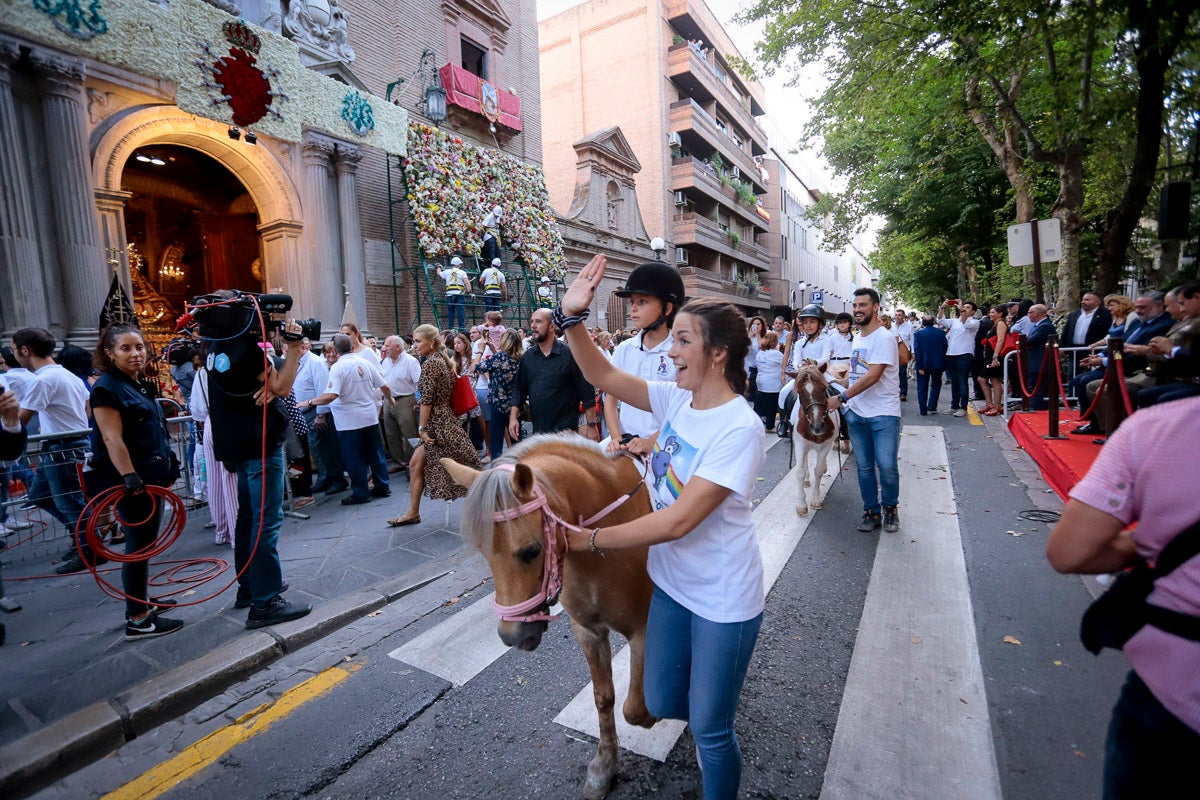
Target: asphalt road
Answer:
[[344, 719]]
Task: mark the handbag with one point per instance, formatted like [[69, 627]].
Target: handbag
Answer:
[[1115, 616], [462, 396], [905, 355]]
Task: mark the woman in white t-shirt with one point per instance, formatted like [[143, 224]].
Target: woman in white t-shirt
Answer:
[[704, 558]]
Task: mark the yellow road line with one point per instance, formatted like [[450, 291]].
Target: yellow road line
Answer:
[[205, 752], [973, 415]]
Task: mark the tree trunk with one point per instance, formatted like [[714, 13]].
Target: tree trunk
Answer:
[[962, 266], [1159, 25], [1068, 209], [1168, 262]]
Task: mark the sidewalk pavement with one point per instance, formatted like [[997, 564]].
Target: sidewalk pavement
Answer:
[[71, 687]]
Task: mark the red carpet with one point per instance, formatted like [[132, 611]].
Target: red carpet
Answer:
[[1063, 462]]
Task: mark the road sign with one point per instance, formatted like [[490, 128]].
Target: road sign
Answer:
[[818, 297], [1020, 242]]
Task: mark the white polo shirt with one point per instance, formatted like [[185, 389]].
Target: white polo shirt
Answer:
[[401, 374], [649, 365], [960, 338], [354, 380]]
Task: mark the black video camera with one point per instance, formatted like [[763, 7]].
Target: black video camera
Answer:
[[228, 314]]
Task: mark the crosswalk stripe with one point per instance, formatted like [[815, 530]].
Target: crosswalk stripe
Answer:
[[779, 530], [913, 721]]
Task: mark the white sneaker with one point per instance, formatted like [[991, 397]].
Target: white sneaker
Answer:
[[960, 413], [14, 525], [949, 412]]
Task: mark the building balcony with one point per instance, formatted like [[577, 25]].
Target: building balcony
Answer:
[[693, 230], [701, 133], [698, 78], [691, 175], [694, 20], [700, 282]]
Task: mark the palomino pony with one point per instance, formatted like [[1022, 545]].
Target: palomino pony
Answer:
[[814, 433], [517, 514]]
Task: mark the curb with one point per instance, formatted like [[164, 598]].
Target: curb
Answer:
[[41, 757]]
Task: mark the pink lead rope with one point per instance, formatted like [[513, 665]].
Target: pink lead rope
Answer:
[[555, 530]]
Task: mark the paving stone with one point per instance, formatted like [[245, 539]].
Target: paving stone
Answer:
[[91, 731]]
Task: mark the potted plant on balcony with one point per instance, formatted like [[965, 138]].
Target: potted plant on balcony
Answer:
[[754, 284], [677, 39], [745, 193], [735, 238]]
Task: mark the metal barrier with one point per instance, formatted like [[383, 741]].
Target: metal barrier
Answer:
[[40, 534], [1006, 383]]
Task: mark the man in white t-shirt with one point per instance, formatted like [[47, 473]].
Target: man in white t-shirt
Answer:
[[872, 412], [351, 393], [59, 399], [655, 293], [494, 286], [457, 285]]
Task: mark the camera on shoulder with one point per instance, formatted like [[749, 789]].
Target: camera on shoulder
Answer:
[[229, 314]]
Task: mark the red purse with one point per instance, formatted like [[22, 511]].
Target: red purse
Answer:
[[462, 396]]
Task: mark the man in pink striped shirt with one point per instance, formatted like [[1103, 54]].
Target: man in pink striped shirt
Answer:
[[1142, 476]]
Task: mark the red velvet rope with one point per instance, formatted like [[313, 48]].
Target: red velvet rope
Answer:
[[1021, 380], [1124, 388]]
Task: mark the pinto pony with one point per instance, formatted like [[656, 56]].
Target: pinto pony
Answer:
[[516, 514], [814, 433]]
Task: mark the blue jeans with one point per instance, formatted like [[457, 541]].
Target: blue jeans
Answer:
[[55, 487], [263, 578], [1149, 751], [876, 443], [903, 380], [959, 368], [491, 302], [694, 672], [497, 424], [454, 310], [929, 389], [362, 450]]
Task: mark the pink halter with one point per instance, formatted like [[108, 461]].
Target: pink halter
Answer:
[[555, 530]]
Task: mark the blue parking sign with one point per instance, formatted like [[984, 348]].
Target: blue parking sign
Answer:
[[818, 298]]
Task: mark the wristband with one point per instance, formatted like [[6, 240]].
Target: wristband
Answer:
[[592, 543], [564, 322]]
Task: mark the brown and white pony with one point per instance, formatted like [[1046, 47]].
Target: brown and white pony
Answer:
[[515, 513], [814, 434]]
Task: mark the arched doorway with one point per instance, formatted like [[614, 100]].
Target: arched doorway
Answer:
[[191, 228]]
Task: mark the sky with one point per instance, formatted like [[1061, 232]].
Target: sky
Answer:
[[787, 106]]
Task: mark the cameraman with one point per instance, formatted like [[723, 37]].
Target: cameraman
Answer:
[[245, 389]]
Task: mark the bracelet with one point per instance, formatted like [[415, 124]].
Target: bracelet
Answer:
[[592, 543], [563, 322]]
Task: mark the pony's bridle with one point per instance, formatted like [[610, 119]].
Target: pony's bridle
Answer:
[[554, 529]]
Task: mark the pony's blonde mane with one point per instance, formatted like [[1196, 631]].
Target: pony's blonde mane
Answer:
[[492, 491]]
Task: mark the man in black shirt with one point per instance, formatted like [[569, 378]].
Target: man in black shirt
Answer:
[[551, 381], [245, 387]]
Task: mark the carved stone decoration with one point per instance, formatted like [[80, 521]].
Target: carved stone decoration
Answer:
[[102, 105], [226, 6], [320, 28]]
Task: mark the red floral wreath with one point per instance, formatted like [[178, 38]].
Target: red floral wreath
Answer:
[[248, 89]]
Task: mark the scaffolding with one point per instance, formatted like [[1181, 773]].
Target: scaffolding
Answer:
[[412, 268]]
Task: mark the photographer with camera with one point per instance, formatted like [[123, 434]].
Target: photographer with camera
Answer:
[[246, 387]]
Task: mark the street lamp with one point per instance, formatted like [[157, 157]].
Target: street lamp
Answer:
[[659, 246], [433, 104], [802, 287]]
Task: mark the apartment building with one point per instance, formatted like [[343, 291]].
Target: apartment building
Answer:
[[802, 272], [661, 71]]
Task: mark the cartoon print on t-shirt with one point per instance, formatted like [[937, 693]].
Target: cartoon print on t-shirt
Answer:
[[858, 364], [662, 365], [667, 463]]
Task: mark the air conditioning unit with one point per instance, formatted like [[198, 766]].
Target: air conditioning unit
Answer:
[[681, 255], [674, 140], [734, 172], [680, 199]]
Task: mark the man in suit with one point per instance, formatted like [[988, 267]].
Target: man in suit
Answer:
[[1153, 320], [1086, 325], [1035, 350], [929, 346]]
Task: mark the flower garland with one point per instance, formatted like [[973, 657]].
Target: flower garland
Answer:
[[452, 185]]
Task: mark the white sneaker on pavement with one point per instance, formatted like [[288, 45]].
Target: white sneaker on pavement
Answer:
[[949, 412], [960, 413]]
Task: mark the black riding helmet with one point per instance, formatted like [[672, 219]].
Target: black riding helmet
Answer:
[[812, 310], [657, 280]]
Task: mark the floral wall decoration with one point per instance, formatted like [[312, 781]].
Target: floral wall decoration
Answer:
[[221, 68], [357, 111], [453, 184]]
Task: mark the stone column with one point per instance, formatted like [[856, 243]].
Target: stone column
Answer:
[[23, 301], [111, 205], [68, 171], [353, 270], [323, 290], [283, 264]]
